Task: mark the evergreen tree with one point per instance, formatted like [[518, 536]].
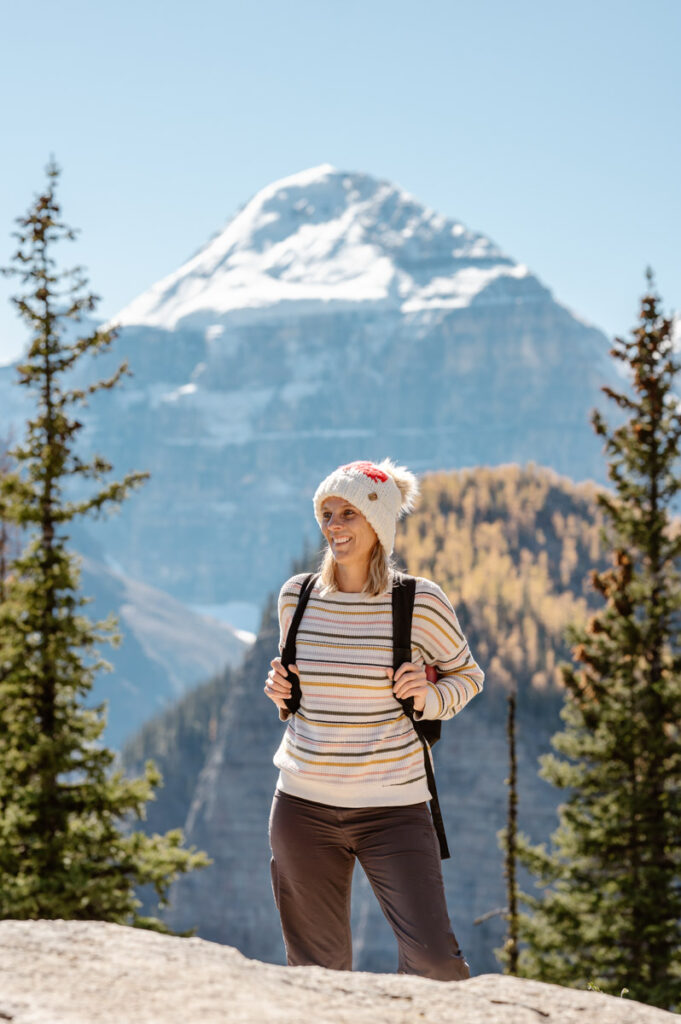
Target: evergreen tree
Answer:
[[67, 846], [610, 915]]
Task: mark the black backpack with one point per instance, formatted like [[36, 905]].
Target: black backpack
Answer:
[[427, 730]]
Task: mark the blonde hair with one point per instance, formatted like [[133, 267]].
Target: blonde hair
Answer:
[[379, 577]]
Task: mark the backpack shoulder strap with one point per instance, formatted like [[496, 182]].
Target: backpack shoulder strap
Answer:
[[404, 595], [288, 655], [404, 589]]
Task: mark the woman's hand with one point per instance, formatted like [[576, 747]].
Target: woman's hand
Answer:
[[278, 686], [411, 681]]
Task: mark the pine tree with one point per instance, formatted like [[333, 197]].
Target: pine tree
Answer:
[[67, 844], [610, 914]]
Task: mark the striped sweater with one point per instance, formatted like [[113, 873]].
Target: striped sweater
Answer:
[[350, 744]]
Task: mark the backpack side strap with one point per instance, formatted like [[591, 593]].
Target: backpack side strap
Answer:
[[403, 594]]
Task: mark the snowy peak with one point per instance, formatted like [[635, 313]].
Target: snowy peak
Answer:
[[355, 209], [325, 239]]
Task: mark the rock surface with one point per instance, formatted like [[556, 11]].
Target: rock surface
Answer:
[[92, 972]]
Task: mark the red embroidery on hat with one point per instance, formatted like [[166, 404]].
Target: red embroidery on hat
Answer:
[[368, 468]]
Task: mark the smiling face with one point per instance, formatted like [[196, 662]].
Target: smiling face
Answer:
[[349, 535]]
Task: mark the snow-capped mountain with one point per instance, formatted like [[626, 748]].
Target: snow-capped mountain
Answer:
[[333, 318], [323, 241]]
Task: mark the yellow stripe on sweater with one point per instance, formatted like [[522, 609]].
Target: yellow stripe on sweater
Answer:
[[365, 764], [340, 647], [455, 671], [444, 632]]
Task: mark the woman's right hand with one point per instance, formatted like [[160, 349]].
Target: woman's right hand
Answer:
[[278, 686]]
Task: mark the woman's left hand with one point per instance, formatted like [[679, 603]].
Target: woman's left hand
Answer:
[[411, 681]]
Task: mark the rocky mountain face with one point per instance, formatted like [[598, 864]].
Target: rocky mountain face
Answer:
[[335, 317]]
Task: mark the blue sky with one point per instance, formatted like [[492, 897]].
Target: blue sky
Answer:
[[553, 128]]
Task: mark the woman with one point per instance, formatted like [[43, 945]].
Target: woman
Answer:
[[351, 767]]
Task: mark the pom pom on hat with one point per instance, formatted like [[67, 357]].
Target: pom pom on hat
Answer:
[[406, 483], [382, 491]]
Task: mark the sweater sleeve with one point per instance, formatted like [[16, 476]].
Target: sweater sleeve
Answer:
[[286, 606], [438, 638]]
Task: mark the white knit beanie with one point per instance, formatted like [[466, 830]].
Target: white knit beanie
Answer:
[[381, 491]]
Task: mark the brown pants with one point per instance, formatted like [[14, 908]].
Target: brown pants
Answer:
[[313, 854]]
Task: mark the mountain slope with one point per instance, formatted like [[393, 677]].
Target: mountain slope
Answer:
[[166, 649]]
